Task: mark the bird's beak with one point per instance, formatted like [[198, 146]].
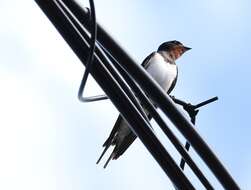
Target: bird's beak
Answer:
[[187, 48]]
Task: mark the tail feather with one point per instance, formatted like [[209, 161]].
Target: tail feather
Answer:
[[107, 162], [111, 138], [101, 156], [114, 131]]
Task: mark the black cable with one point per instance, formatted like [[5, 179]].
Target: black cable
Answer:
[[71, 36], [90, 59], [103, 58]]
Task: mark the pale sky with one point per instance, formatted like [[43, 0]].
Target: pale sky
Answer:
[[49, 140]]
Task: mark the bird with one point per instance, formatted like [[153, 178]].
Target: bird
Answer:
[[162, 68]]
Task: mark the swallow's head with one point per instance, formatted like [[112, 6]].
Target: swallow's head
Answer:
[[174, 48]]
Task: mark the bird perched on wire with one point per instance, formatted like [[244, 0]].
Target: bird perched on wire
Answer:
[[161, 66]]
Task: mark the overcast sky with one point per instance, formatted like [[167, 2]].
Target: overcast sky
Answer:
[[49, 140]]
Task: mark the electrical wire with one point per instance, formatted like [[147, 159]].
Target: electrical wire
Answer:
[[90, 59]]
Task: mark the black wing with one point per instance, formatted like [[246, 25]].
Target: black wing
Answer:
[[120, 149], [145, 63], [173, 84]]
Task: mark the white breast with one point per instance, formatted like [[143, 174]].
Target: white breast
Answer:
[[163, 72]]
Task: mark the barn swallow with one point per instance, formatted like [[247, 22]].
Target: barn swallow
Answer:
[[162, 67]]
